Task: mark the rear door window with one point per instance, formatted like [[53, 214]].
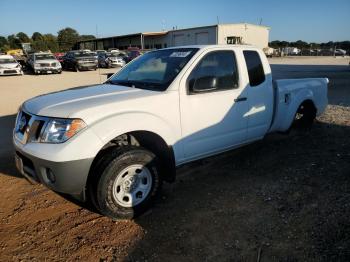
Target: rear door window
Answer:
[[255, 68]]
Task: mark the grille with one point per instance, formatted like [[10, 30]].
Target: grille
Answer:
[[88, 60], [10, 71], [44, 64]]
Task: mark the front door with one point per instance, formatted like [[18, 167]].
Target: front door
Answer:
[[213, 106]]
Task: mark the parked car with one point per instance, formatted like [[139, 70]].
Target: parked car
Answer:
[[59, 57], [115, 143], [44, 62], [80, 60], [108, 60], [132, 54], [99, 52], [339, 52], [9, 66]]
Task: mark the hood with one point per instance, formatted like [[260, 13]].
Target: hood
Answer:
[[9, 65], [80, 100]]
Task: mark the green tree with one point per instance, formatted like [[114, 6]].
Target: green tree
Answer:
[[14, 42], [4, 44], [23, 38], [300, 44], [37, 36], [51, 42], [86, 37], [3, 41], [67, 38], [39, 45]]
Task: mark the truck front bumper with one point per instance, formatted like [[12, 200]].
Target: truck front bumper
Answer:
[[67, 177], [88, 66], [11, 71], [48, 70]]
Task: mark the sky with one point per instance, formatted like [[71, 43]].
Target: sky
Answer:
[[308, 20]]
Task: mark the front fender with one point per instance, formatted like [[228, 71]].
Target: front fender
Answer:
[[112, 126]]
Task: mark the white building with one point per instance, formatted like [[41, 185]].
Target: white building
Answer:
[[241, 33]]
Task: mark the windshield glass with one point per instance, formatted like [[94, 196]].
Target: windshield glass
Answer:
[[7, 60], [154, 70], [44, 57], [113, 54], [81, 54]]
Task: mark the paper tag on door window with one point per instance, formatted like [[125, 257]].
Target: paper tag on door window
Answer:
[[180, 54]]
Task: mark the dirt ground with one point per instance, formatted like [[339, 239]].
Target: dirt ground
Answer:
[[285, 198]]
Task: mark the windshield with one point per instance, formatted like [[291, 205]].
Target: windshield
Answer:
[[7, 60], [154, 70], [113, 54], [81, 54], [44, 57]]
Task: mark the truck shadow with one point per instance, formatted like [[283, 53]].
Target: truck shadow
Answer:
[[7, 162], [228, 206], [339, 76]]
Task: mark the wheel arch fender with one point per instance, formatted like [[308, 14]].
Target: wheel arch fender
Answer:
[[113, 126], [158, 137], [287, 111]]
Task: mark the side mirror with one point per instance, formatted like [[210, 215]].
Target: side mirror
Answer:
[[203, 84], [109, 75]]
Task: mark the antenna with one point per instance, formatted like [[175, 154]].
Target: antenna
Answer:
[[163, 25], [217, 19], [99, 69], [260, 22]]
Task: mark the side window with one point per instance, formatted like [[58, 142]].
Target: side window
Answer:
[[215, 72], [254, 67]]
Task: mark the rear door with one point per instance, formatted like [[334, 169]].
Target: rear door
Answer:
[[260, 93]]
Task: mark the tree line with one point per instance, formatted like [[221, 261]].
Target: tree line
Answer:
[[64, 41], [67, 38], [305, 45]]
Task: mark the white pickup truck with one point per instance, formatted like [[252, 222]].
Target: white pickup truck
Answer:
[[115, 143]]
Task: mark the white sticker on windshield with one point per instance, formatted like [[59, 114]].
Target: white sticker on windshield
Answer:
[[180, 54]]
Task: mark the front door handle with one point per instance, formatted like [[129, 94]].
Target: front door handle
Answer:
[[240, 99]]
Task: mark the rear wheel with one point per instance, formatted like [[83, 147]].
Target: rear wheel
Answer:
[[305, 115], [129, 180]]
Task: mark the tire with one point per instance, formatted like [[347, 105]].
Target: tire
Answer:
[[128, 182], [305, 116]]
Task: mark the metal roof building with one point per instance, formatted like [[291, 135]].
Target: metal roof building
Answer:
[[241, 33]]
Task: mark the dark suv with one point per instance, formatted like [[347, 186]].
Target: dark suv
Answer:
[[80, 60]]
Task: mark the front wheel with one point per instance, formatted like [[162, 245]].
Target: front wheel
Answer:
[[129, 180]]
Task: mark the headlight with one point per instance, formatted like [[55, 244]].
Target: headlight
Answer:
[[36, 65], [60, 130]]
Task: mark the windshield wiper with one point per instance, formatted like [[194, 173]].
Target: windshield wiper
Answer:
[[137, 84], [122, 83]]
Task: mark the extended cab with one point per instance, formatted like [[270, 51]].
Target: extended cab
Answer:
[[115, 143]]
